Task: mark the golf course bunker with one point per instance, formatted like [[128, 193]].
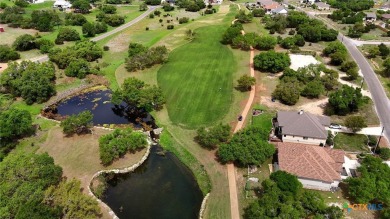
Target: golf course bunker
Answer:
[[300, 61], [162, 187]]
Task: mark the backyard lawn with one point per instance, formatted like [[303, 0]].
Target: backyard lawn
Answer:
[[197, 80], [351, 142]]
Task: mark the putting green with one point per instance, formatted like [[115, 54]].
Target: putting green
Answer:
[[198, 79]]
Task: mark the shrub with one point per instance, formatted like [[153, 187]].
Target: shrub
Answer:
[[89, 29], [136, 48], [24, 42], [3, 5], [146, 28], [108, 9], [271, 61], [106, 48], [157, 13], [151, 16], [214, 136], [67, 34], [167, 7], [258, 12], [153, 56], [8, 54], [170, 27], [384, 153], [77, 68], [355, 123], [75, 19], [21, 3], [245, 82], [77, 124], [183, 20], [44, 45], [100, 27], [114, 20], [266, 43]]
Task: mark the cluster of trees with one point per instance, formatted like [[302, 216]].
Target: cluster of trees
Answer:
[[111, 18], [136, 94], [42, 20], [14, 123], [191, 5], [354, 5], [312, 30], [373, 184], [346, 100], [34, 82], [91, 29], [212, 137], [31, 187], [292, 42], [307, 82], [243, 17], [358, 29], [258, 12], [355, 123], [249, 146], [245, 83], [75, 19], [114, 145], [271, 61], [8, 54], [82, 50], [347, 16], [283, 197], [77, 124], [140, 57], [351, 69], [67, 34], [337, 52], [81, 6], [27, 42]]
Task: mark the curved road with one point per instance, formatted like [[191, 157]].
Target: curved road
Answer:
[[109, 33], [382, 103]]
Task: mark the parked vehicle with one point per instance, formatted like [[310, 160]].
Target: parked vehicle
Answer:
[[335, 126]]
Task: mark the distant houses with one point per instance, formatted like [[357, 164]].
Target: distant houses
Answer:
[[272, 7], [322, 6], [62, 4], [370, 17]]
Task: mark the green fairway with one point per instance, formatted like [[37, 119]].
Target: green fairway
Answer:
[[198, 79]]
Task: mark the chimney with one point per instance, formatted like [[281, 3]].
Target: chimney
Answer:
[[300, 112]]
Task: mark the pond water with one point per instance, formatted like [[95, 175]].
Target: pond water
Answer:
[[104, 112], [162, 187]]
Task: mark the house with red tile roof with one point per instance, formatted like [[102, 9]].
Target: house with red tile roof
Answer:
[[316, 167]]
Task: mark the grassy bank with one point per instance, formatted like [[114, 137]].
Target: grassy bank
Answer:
[[168, 143]]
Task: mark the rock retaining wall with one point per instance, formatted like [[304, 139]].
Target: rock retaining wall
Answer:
[[203, 206]]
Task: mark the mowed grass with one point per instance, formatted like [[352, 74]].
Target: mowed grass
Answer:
[[351, 142], [197, 80]]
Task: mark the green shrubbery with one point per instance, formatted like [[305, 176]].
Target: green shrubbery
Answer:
[[142, 58], [271, 61], [77, 124], [67, 34], [118, 143], [214, 136], [8, 54]]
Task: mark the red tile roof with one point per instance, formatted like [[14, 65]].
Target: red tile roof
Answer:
[[310, 161]]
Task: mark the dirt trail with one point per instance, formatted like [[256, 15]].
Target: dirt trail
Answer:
[[234, 207]]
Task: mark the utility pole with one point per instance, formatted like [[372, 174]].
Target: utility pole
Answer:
[[383, 129]]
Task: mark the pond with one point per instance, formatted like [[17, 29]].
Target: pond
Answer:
[[162, 187], [104, 112]]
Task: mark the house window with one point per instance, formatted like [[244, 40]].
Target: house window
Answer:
[[305, 138]]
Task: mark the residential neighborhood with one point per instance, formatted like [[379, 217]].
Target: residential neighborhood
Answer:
[[194, 109]]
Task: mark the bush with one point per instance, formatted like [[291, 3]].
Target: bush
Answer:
[[271, 61], [183, 20], [146, 59], [355, 123], [151, 16], [214, 136], [24, 42], [3, 5], [108, 9], [21, 3], [245, 82], [75, 19], [89, 29], [77, 68], [157, 13], [258, 12], [44, 45], [118, 143], [106, 48], [146, 28], [291, 32], [286, 182], [313, 89], [209, 11], [67, 34], [77, 124], [167, 7], [266, 43], [170, 27], [8, 54], [114, 20], [136, 48], [100, 27], [288, 91], [384, 153]]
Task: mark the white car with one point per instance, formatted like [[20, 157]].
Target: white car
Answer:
[[335, 126]]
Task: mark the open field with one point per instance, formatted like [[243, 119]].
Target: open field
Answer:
[[351, 142], [197, 80]]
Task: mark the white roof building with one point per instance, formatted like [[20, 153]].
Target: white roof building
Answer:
[[62, 4]]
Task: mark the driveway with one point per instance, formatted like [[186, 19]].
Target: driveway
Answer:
[[376, 131]]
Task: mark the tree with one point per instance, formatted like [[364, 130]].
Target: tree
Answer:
[[82, 5], [89, 29], [136, 48], [69, 197], [75, 19], [78, 68], [230, 34], [288, 91], [24, 42], [114, 20], [8, 54], [118, 143], [77, 124], [355, 123], [44, 20], [29, 80], [245, 83], [338, 58], [153, 56], [44, 45], [258, 12], [137, 94], [348, 65], [334, 47], [384, 51], [100, 27], [108, 9], [353, 74], [242, 17], [384, 153], [271, 61], [23, 179], [286, 182], [211, 138], [346, 100], [21, 3], [248, 146], [143, 7], [288, 42], [373, 183], [373, 52], [313, 89], [266, 43], [67, 34], [386, 67]]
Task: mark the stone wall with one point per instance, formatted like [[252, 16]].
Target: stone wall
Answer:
[[203, 206]]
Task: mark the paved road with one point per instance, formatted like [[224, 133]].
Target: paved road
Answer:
[[109, 33], [382, 103]]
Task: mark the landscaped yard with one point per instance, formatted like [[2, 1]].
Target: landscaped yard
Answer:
[[197, 80], [351, 142]]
